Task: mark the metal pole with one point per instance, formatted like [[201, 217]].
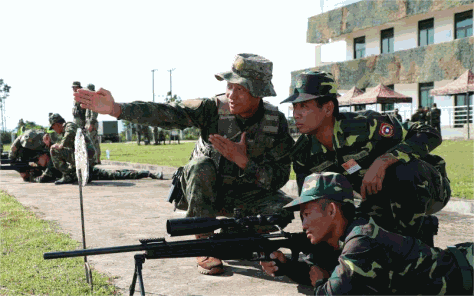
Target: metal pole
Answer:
[[171, 89], [468, 110], [153, 82]]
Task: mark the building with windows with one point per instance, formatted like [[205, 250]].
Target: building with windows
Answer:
[[412, 46]]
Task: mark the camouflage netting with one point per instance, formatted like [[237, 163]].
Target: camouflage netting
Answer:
[[436, 62], [367, 14]]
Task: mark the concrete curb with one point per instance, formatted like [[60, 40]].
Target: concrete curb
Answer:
[[456, 205]]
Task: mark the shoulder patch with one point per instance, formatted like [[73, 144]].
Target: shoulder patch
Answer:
[[192, 104], [386, 130]]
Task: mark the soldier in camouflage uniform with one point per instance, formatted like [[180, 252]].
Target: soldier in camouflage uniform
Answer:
[[30, 146], [155, 135], [62, 153], [143, 130], [91, 126], [242, 156], [125, 174], [371, 260], [389, 166], [78, 113], [435, 117]]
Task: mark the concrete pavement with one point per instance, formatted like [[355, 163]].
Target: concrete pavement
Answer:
[[121, 212]]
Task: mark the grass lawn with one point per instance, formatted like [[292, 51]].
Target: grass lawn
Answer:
[[23, 271], [458, 156]]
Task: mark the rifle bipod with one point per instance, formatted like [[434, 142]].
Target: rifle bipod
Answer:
[[139, 260]]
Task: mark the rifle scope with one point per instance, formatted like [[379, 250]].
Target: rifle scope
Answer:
[[188, 226]]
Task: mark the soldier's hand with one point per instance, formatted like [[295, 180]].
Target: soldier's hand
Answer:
[[235, 152], [270, 267], [57, 147], [100, 101], [373, 178], [89, 127], [316, 273], [47, 140]]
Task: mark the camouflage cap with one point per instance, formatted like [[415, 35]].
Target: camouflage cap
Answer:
[[253, 72], [312, 85], [32, 139], [326, 185], [76, 83], [54, 118], [91, 87]]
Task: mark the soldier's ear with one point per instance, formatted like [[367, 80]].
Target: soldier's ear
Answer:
[[329, 108]]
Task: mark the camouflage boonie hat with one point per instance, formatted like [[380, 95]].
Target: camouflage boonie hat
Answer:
[[76, 83], [312, 85], [326, 185], [32, 139], [54, 118], [253, 72], [91, 87]]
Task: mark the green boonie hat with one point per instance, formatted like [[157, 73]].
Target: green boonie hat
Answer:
[[326, 185], [253, 72], [312, 85], [54, 118], [76, 83], [32, 139], [91, 87]]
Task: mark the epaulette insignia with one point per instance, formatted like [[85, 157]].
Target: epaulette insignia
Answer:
[[386, 130]]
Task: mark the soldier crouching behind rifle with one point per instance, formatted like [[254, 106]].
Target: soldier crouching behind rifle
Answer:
[[371, 260], [33, 146], [251, 135]]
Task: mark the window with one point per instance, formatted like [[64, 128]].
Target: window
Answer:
[[386, 41], [426, 32], [359, 47], [359, 107], [388, 107], [424, 97], [460, 110], [463, 24]]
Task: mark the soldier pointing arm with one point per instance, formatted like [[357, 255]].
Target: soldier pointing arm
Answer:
[[242, 156]]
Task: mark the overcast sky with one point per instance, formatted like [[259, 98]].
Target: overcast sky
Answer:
[[46, 45]]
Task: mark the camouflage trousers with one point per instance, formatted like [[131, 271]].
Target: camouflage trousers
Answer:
[[206, 196], [94, 136], [64, 161], [155, 135], [410, 192], [100, 174]]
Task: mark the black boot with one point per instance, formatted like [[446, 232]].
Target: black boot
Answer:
[[45, 179]]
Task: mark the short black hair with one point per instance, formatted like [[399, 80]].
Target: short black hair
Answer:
[[326, 99], [347, 209]]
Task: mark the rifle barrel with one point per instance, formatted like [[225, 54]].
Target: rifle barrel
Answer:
[[98, 251]]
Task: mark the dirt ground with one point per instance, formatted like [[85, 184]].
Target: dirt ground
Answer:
[[122, 212]]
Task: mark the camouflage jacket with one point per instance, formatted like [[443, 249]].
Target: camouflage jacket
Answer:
[[375, 261], [91, 119], [79, 115], [69, 136], [31, 139], [362, 138], [268, 150], [83, 117]]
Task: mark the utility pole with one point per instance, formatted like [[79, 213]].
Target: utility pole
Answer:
[[153, 82], [171, 89]]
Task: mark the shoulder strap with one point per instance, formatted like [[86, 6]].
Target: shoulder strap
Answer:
[[466, 271]]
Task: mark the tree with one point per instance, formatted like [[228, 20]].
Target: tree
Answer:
[[4, 93], [173, 99]]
